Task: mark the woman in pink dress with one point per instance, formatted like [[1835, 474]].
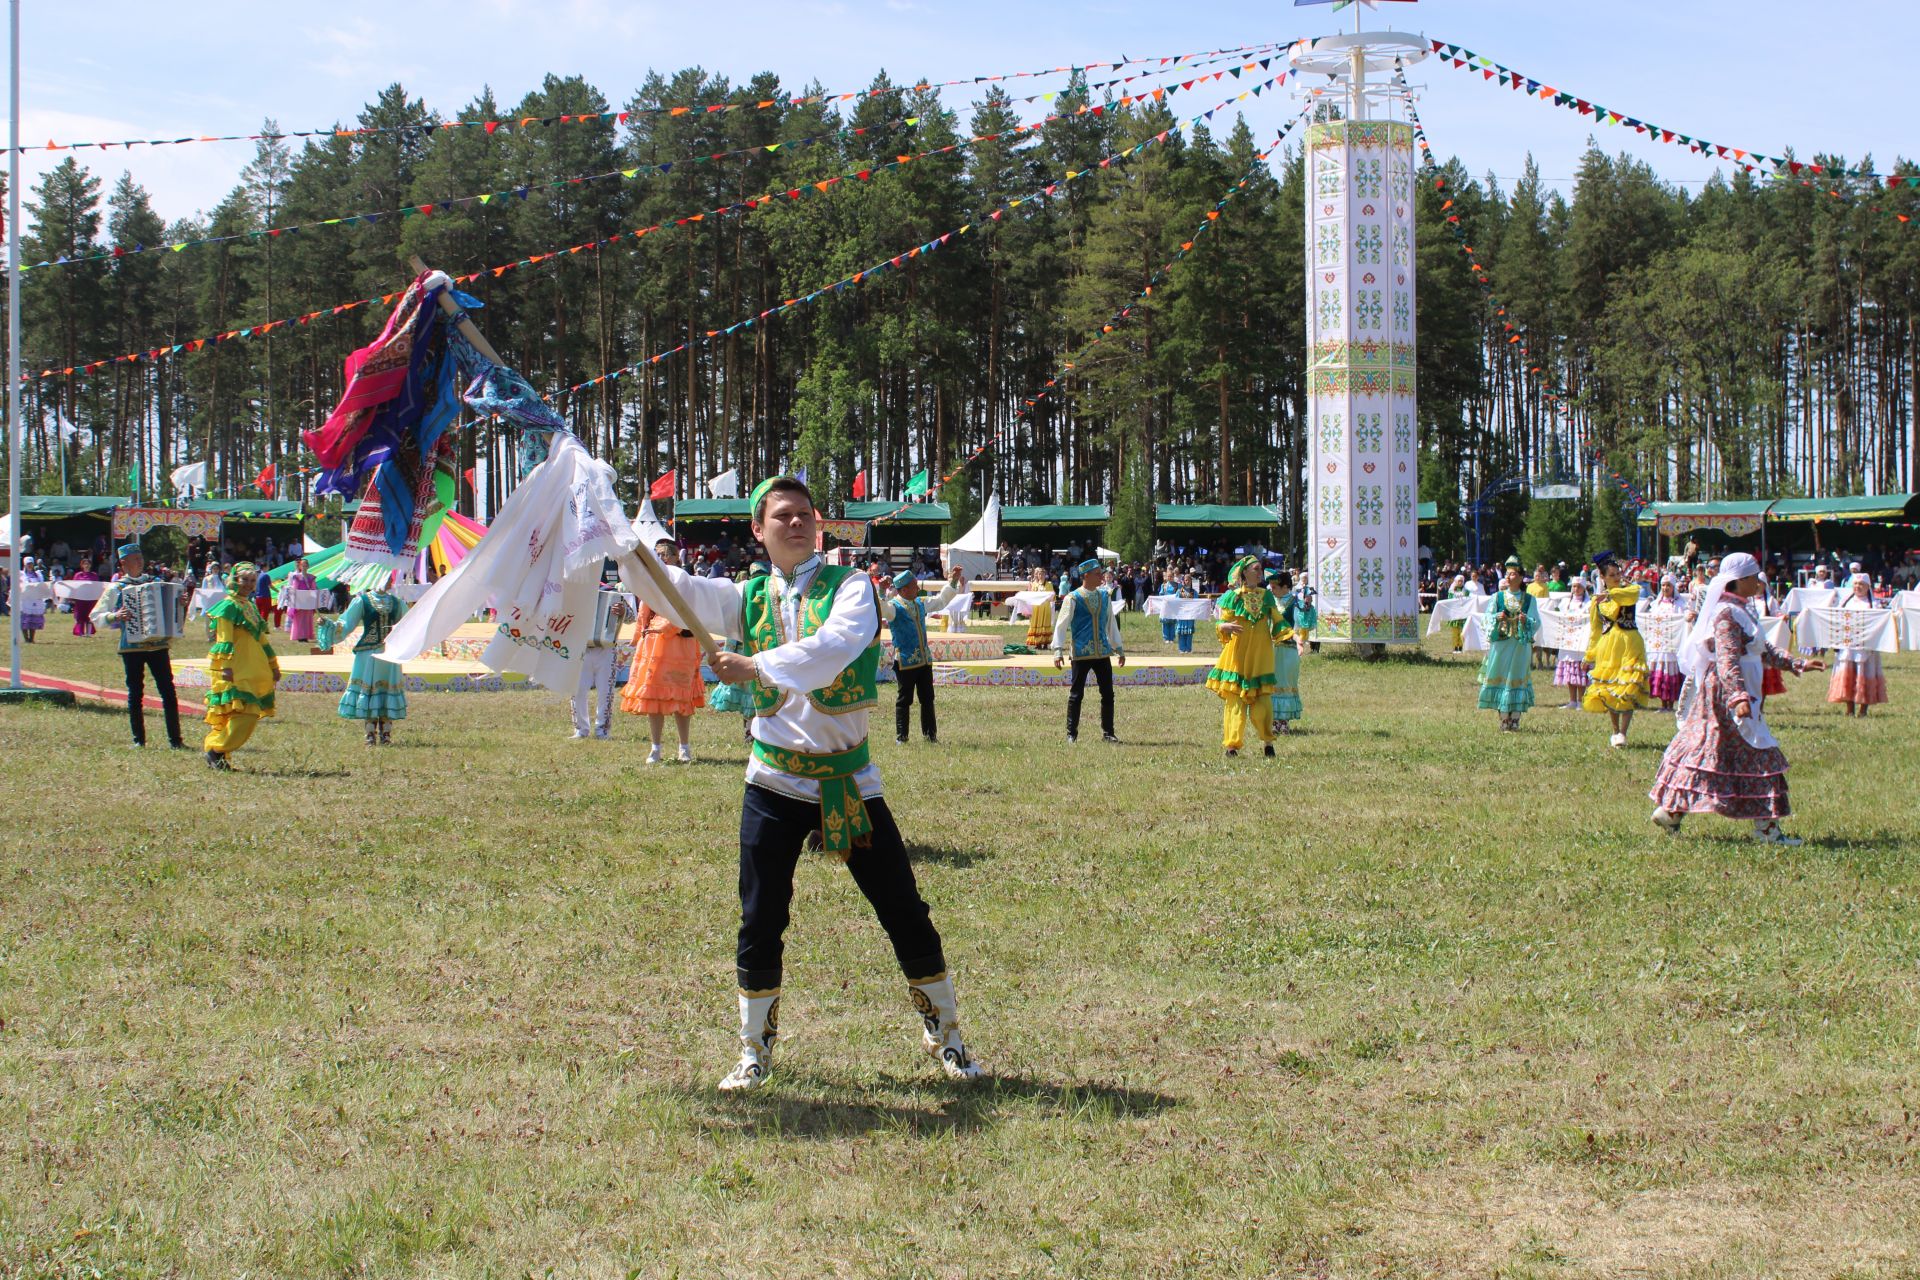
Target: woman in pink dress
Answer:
[[1723, 759], [83, 609], [299, 621]]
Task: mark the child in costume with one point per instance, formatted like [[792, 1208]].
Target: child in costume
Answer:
[[1243, 676], [1663, 665], [1291, 636], [1040, 623], [1858, 680], [1506, 676], [1459, 591], [1723, 759], [376, 689], [243, 668], [1570, 672], [665, 680], [1615, 651]]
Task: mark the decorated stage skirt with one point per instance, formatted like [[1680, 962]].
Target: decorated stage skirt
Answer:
[[665, 679], [374, 690], [1861, 681]]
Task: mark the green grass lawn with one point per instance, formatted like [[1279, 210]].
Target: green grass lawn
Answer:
[[1415, 999]]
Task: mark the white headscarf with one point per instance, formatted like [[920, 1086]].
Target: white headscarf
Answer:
[[1694, 655]]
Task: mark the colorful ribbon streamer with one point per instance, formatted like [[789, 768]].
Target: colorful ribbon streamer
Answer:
[[622, 117]]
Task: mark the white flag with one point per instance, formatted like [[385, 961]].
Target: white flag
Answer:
[[648, 527], [191, 476], [725, 485]]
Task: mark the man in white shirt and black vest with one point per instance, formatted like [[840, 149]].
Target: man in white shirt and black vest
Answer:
[[1086, 626], [811, 639]]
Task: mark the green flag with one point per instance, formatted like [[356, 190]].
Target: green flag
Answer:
[[917, 487], [136, 476]]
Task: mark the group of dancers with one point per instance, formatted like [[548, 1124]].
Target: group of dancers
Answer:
[[1723, 758]]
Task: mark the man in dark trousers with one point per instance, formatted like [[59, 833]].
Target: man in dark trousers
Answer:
[[143, 654], [905, 614], [1087, 628]]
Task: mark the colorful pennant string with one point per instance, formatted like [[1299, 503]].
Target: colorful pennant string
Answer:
[[613, 118], [1490, 71], [866, 275], [740, 208], [524, 191], [1556, 398], [1119, 317]]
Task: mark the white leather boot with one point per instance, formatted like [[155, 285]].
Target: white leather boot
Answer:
[[939, 1011], [759, 1028]]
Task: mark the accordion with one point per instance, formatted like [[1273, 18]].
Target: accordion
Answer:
[[153, 612], [607, 619]]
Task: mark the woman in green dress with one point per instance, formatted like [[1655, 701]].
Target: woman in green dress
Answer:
[[1506, 677]]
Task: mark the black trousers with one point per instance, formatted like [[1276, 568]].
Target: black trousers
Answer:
[[773, 832], [138, 662], [1102, 672], [914, 680]]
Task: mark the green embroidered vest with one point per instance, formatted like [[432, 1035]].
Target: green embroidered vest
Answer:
[[856, 689]]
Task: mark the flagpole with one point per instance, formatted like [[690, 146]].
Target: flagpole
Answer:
[[13, 341]]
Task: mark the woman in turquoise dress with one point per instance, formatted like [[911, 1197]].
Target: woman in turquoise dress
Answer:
[[1290, 637], [375, 692], [1506, 677]]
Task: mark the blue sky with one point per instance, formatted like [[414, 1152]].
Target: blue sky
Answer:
[[1765, 74]]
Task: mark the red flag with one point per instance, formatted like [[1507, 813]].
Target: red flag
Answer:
[[860, 486], [468, 473], [264, 482], [663, 487]]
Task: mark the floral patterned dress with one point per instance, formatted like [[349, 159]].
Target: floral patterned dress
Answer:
[[1709, 766]]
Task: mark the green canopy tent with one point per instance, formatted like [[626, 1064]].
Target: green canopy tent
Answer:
[[1053, 527], [79, 520]]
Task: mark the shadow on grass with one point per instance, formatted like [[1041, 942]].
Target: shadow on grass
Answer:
[[942, 855], [292, 771], [806, 1105]]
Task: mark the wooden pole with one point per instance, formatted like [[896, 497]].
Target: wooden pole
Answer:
[[643, 555]]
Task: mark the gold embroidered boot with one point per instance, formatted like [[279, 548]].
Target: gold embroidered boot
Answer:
[[759, 1028], [939, 1011]]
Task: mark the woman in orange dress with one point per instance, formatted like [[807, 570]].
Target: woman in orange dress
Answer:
[[665, 679]]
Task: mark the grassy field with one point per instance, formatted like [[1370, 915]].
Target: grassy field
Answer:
[[1416, 999]]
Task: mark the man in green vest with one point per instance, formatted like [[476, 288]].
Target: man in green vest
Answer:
[[810, 639]]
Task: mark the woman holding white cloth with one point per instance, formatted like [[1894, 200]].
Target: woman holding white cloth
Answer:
[[1723, 759]]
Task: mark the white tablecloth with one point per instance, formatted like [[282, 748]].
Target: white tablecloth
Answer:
[[306, 598], [80, 590], [1021, 604], [1875, 629], [1800, 599], [204, 598], [1174, 609]]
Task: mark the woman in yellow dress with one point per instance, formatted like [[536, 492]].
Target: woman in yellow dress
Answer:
[[1040, 625], [1616, 651], [243, 667], [1244, 677]]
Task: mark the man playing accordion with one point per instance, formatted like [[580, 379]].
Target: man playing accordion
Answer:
[[147, 624]]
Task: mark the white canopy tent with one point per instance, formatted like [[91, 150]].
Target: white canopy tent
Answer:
[[977, 551]]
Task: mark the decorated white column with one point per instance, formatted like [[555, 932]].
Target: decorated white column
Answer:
[[1363, 434]]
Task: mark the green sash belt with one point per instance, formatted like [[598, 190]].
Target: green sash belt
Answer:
[[843, 814]]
